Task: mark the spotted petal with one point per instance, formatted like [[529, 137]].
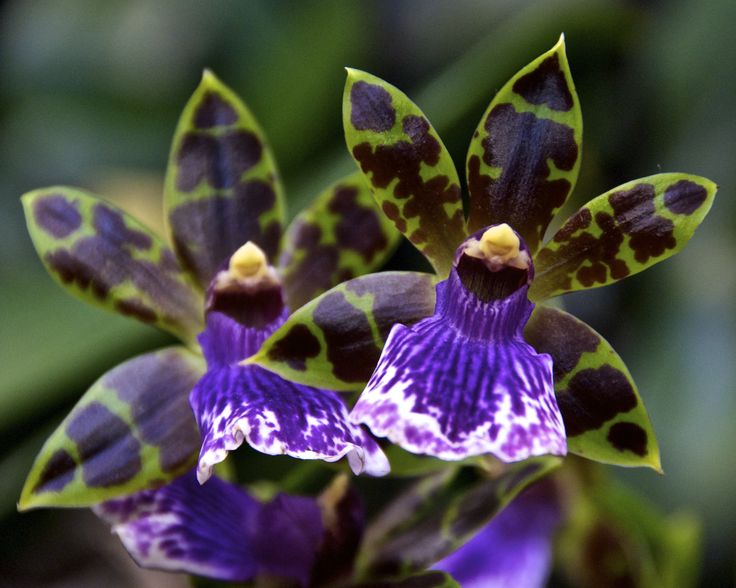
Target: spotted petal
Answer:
[[335, 341], [248, 403], [623, 232], [133, 429], [412, 174], [341, 235], [604, 415], [222, 187], [217, 531], [105, 257], [524, 158], [515, 548], [464, 382]]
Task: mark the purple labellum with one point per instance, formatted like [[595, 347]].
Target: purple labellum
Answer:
[[514, 549], [464, 382], [248, 403], [218, 531]]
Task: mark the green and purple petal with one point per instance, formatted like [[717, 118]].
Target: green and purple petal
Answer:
[[132, 430], [334, 341], [605, 419], [222, 187], [340, 236], [412, 174], [623, 232], [105, 257], [524, 158], [464, 382], [217, 531]]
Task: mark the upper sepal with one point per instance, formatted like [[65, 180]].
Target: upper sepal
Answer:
[[133, 429], [222, 186], [106, 257], [622, 232], [604, 416], [341, 235], [413, 177], [334, 341], [524, 157]]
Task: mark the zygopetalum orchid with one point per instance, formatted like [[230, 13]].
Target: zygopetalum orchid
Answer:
[[224, 208], [480, 376]]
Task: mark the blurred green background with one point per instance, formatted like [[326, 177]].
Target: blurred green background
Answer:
[[90, 96]]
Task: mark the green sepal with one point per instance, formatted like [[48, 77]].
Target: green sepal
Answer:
[[432, 579], [334, 341], [222, 187], [605, 419], [524, 157], [439, 514], [413, 177], [132, 430], [105, 257], [622, 232], [341, 235]]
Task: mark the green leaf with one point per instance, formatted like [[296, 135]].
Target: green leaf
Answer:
[[222, 187], [524, 158], [439, 514], [433, 579], [413, 177], [107, 258], [604, 415], [335, 340], [132, 430], [622, 232], [340, 236]]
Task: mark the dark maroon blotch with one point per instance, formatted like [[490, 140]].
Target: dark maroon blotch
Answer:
[[57, 473], [593, 397], [371, 108], [57, 215], [214, 111], [110, 226], [73, 270], [546, 85], [295, 348], [684, 197], [137, 309], [358, 228], [109, 453], [628, 437]]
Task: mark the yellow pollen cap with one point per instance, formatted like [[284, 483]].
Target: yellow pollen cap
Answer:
[[248, 262], [500, 242]]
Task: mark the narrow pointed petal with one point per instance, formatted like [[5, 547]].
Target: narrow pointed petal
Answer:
[[334, 341], [341, 235], [623, 232], [105, 257], [514, 549], [412, 174], [524, 158], [247, 403], [217, 531], [133, 429], [222, 187], [604, 415], [464, 382]]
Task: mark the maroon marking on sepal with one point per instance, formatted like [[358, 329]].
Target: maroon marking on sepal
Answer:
[[393, 213], [213, 111], [546, 85], [295, 348], [684, 197], [577, 222], [110, 454], [628, 437], [593, 397], [57, 473], [73, 271], [136, 309], [521, 144], [371, 108], [358, 228], [56, 215], [221, 161], [110, 226], [350, 346]]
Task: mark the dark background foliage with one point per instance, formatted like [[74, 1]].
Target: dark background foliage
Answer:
[[90, 96]]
